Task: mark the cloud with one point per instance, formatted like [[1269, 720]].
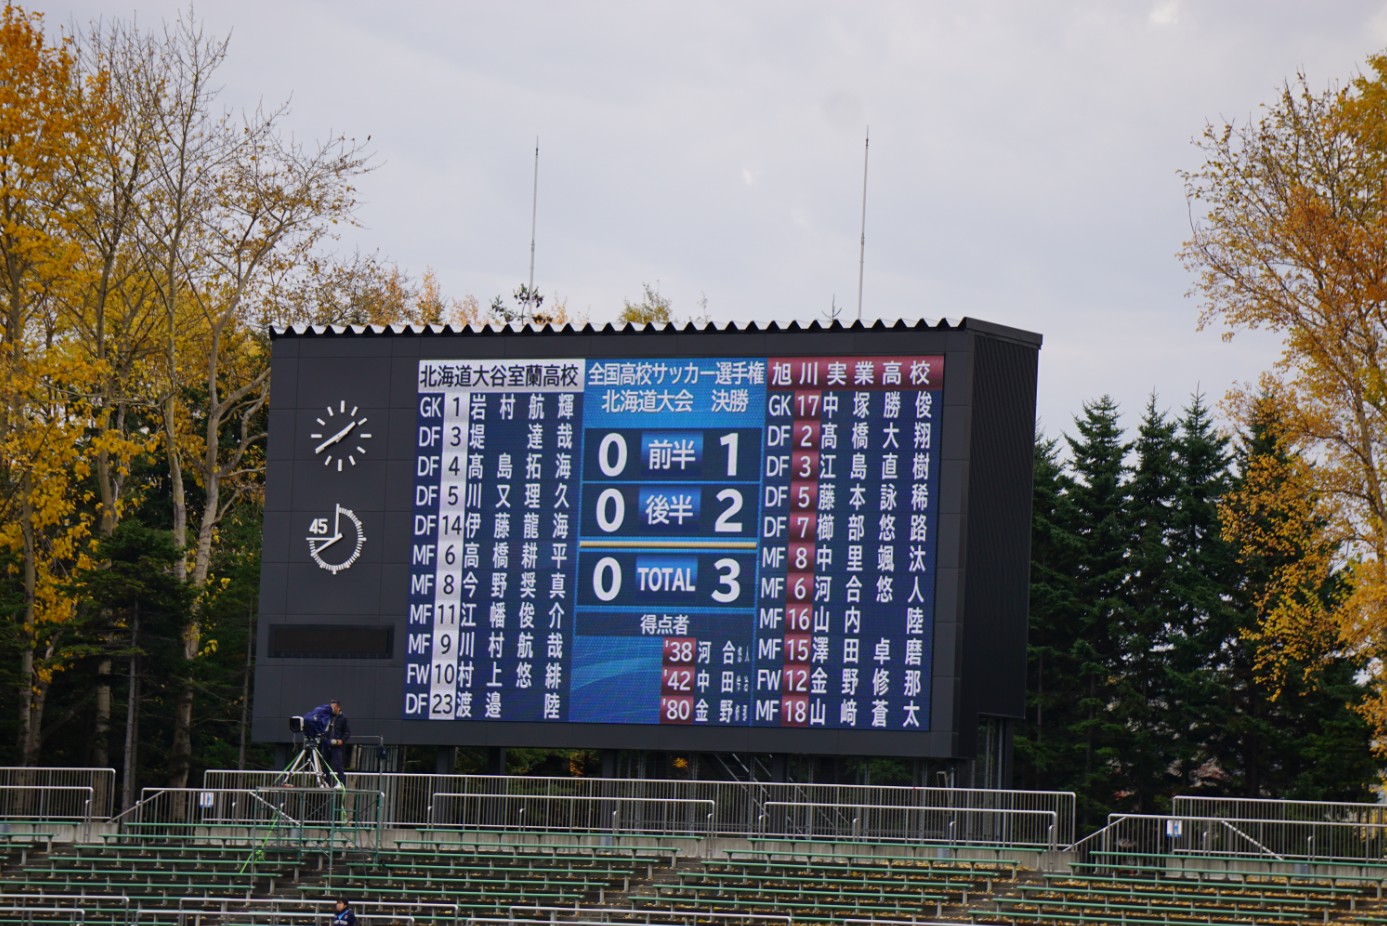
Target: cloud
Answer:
[[1165, 14], [1023, 155]]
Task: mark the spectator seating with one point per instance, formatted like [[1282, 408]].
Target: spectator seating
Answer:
[[447, 879], [1181, 901]]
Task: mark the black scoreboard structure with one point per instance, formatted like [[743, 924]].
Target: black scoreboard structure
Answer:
[[807, 540]]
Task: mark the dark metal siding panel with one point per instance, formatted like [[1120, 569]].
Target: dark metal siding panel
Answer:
[[999, 519], [999, 392]]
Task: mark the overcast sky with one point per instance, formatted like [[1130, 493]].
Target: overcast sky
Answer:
[[1023, 164]]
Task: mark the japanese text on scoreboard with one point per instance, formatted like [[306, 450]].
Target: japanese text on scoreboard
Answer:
[[713, 541]]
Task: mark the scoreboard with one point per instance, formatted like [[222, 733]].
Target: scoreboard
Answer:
[[712, 541], [643, 540]]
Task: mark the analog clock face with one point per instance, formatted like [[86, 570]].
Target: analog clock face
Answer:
[[341, 435], [335, 542]]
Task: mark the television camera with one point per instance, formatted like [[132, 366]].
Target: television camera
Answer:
[[305, 728], [312, 726]]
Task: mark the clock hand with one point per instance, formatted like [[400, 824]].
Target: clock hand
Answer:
[[324, 542], [335, 438]]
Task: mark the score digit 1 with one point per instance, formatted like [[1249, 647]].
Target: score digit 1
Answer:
[[676, 680]]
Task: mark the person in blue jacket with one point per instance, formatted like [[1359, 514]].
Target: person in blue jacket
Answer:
[[344, 915], [335, 738]]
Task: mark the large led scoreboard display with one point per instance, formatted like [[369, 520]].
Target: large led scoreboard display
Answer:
[[774, 540]]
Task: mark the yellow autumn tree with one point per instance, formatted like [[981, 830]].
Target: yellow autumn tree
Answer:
[[235, 204], [364, 289], [46, 120], [113, 319], [653, 309], [1285, 552], [1290, 235]]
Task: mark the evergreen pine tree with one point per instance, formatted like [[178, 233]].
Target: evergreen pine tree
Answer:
[[1143, 699], [1043, 757], [1202, 623], [1102, 531]]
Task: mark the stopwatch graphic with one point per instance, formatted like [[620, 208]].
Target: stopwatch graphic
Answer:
[[341, 435], [337, 550]]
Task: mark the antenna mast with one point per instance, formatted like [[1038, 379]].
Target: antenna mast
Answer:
[[534, 209], [862, 252]]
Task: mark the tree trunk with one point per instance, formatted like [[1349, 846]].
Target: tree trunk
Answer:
[[34, 743], [132, 716], [245, 688], [101, 716], [180, 747], [30, 705], [181, 751]]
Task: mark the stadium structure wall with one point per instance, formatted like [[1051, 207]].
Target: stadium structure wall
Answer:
[[358, 524]]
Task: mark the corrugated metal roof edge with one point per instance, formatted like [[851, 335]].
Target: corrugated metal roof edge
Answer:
[[588, 328]]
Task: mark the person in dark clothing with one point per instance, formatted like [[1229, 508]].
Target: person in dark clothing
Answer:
[[338, 734], [344, 915]]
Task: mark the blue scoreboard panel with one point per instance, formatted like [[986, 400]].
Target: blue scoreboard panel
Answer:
[[710, 542]]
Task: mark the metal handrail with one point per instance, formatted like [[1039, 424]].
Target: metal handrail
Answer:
[[860, 921], [197, 907], [1247, 837], [1196, 800], [42, 790], [80, 913], [276, 810], [1156, 829], [738, 804], [574, 799], [264, 918], [1048, 815], [556, 912], [102, 781]]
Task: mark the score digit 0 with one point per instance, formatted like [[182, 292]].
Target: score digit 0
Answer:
[[607, 579], [613, 453]]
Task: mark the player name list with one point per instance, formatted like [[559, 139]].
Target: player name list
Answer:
[[713, 541]]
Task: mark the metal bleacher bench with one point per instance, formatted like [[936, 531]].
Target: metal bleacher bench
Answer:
[[1369, 872], [870, 851]]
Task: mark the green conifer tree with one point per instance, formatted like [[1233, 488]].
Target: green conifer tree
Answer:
[[1143, 700], [1042, 744], [1202, 624], [1103, 531]]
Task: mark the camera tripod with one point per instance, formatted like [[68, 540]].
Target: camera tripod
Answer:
[[310, 761], [302, 807]]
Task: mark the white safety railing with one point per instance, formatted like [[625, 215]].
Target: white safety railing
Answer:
[[738, 806], [25, 915], [1148, 839], [865, 921], [101, 781], [269, 918], [655, 916], [93, 903], [194, 911], [283, 816], [952, 826], [535, 914], [1248, 808], [46, 803], [104, 907], [674, 816]]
